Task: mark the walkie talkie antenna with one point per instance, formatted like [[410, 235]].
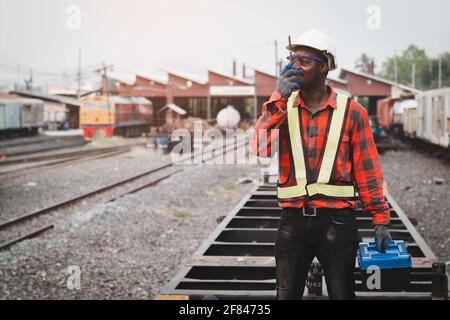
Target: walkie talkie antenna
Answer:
[[290, 49]]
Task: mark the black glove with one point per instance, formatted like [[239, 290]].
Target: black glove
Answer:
[[288, 81], [382, 237]]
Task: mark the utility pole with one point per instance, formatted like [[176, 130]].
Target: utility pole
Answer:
[[29, 82], [276, 57], [372, 67], [413, 76], [431, 72], [440, 72], [79, 74], [104, 80], [103, 72], [395, 69]]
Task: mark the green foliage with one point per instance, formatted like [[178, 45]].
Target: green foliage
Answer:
[[426, 68], [181, 213]]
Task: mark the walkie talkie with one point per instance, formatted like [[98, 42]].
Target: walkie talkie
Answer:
[[291, 57]]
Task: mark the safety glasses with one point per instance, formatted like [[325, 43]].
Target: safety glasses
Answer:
[[304, 60]]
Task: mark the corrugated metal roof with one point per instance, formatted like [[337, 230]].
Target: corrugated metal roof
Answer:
[[376, 78], [263, 72], [175, 108], [21, 100], [188, 76], [249, 82], [141, 100], [47, 97], [129, 100], [161, 79], [119, 100], [124, 77]]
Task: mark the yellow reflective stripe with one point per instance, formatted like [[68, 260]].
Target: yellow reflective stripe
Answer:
[[331, 190], [291, 192], [334, 135], [320, 187], [296, 141]]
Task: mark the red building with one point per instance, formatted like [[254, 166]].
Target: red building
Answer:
[[360, 84], [205, 96], [224, 90]]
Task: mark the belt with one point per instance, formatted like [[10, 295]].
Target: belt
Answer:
[[309, 211]]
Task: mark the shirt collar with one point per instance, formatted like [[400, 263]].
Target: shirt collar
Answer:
[[331, 100]]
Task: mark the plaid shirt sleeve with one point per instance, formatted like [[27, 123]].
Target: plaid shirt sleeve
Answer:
[[267, 127], [367, 170]]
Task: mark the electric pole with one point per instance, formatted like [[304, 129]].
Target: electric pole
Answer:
[[440, 72], [276, 57], [29, 82], [79, 74], [395, 69]]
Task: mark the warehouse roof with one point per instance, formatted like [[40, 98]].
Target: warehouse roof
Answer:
[[188, 76], [175, 108], [376, 78], [246, 81], [129, 100], [47, 97]]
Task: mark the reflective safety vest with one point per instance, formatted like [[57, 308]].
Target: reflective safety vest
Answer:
[[322, 186]]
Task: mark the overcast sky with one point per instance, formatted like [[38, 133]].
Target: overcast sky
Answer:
[[143, 35]]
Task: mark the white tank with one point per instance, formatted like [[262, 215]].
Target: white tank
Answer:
[[228, 118]]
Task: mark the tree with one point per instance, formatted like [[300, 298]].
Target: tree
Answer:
[[426, 69], [365, 64], [433, 71]]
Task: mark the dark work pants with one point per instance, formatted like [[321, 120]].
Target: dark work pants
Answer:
[[331, 236]]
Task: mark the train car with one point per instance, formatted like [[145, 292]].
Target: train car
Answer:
[[409, 121], [433, 117], [106, 116], [398, 110], [384, 112], [20, 116]]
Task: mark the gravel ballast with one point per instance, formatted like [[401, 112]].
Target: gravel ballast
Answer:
[[420, 184], [131, 248]]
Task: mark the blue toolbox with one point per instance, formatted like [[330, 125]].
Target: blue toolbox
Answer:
[[384, 271]]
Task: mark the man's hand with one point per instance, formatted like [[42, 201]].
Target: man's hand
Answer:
[[382, 237], [288, 81]]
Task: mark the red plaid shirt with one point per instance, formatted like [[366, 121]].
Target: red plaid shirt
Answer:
[[357, 157]]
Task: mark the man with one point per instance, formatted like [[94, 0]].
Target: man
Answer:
[[326, 154]]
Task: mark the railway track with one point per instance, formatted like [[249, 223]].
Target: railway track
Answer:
[[237, 260], [31, 146], [64, 156], [63, 162], [145, 184]]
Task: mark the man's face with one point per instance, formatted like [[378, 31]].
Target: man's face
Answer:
[[307, 60]]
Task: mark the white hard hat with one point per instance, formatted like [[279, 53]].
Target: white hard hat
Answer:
[[317, 40]]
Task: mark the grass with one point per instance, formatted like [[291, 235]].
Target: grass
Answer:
[[181, 213]]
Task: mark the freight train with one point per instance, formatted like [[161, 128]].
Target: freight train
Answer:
[[106, 116], [424, 117], [20, 116]]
